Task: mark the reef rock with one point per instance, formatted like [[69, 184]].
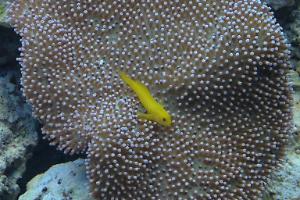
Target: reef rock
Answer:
[[296, 109], [293, 32], [17, 136], [285, 182], [277, 4], [3, 12], [61, 181]]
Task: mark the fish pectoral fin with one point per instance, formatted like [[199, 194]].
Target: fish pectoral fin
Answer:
[[144, 116]]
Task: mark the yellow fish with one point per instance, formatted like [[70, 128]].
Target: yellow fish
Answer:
[[155, 111]]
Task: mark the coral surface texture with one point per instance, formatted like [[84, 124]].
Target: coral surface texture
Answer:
[[218, 67]]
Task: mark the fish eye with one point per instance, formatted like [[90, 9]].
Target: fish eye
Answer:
[[164, 119]]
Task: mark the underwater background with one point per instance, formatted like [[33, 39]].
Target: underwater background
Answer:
[[31, 169]]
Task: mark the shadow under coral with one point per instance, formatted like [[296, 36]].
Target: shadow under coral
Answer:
[[43, 157]]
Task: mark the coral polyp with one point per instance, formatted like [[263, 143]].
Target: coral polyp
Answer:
[[219, 67]]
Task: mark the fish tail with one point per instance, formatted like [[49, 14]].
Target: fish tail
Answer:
[[124, 77], [139, 89], [130, 82]]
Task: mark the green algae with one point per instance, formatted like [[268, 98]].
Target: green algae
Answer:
[[2, 12]]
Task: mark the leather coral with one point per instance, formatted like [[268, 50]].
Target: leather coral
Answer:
[[219, 67]]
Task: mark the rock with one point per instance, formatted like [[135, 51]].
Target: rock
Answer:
[[17, 137], [292, 29], [296, 86], [62, 181], [285, 184], [3, 12], [17, 127], [277, 4]]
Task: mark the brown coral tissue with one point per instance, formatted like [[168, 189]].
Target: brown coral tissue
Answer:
[[218, 67]]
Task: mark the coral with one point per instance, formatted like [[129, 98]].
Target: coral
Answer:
[[17, 136], [61, 181], [219, 67]]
